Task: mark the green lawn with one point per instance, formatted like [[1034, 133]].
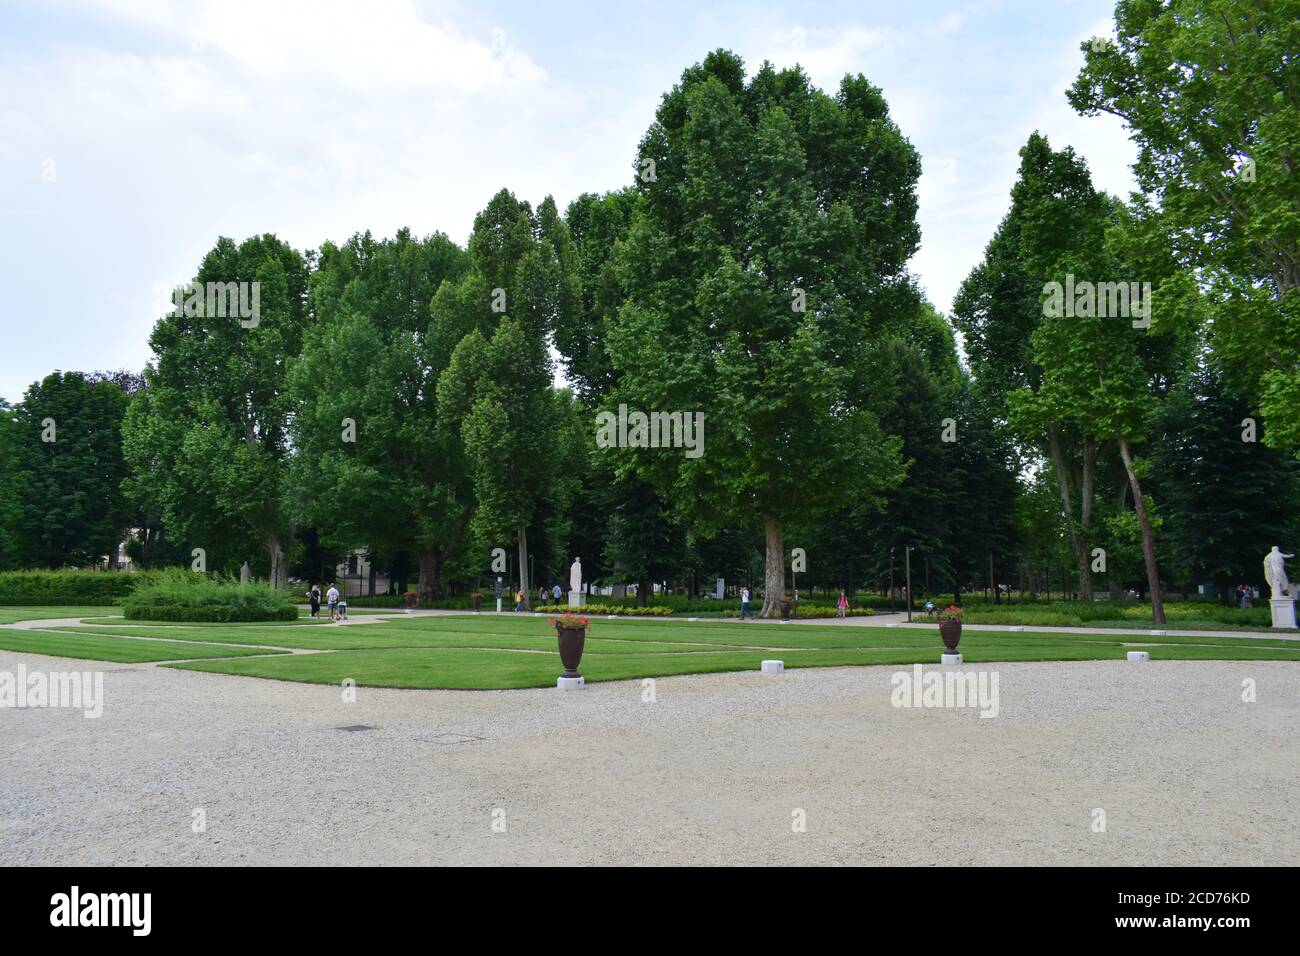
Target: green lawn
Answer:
[[98, 647], [497, 652], [12, 615]]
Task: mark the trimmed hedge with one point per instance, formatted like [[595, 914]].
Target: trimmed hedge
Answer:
[[32, 588], [179, 595], [224, 615]]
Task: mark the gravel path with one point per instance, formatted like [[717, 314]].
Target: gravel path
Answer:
[[709, 773]]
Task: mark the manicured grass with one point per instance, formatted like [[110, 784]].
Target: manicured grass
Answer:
[[507, 651], [12, 615], [1185, 615], [121, 650]]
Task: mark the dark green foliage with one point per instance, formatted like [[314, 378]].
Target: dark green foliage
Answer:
[[179, 595], [37, 588]]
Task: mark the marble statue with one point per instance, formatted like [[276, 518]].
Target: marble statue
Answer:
[[575, 575], [1275, 574]]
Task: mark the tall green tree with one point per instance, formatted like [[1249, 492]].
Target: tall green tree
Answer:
[[11, 492], [1229, 495], [496, 393], [371, 464], [1210, 92], [999, 309], [766, 254], [70, 469], [209, 438]]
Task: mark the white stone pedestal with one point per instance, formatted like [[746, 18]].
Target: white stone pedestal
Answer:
[[577, 599], [1139, 656], [570, 683], [1283, 611], [950, 659], [772, 667]]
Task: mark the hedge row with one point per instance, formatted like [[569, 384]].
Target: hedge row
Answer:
[[218, 614], [67, 587], [179, 595]]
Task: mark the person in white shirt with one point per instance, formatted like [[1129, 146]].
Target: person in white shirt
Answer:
[[744, 602], [332, 599]]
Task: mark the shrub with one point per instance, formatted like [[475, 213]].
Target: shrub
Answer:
[[178, 595], [68, 587]]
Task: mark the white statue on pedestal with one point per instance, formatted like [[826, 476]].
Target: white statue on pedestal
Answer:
[[576, 598], [1275, 574]]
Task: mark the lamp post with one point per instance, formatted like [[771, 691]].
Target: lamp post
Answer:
[[891, 580], [907, 553]]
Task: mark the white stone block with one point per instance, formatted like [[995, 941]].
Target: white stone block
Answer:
[[1159, 633], [692, 619], [570, 683], [892, 624], [772, 667], [577, 599], [1016, 628], [950, 659], [1283, 612], [1139, 656]]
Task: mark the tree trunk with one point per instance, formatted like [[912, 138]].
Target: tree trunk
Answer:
[[1090, 449], [1112, 580], [430, 569], [370, 584], [643, 589], [1077, 543], [773, 568], [279, 577], [523, 566], [1148, 538]]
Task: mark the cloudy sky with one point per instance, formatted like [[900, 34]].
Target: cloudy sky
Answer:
[[133, 133]]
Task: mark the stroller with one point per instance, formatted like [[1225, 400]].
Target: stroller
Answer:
[[343, 609]]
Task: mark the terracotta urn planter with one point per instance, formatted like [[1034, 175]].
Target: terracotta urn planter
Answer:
[[475, 599], [572, 640], [571, 634], [950, 632]]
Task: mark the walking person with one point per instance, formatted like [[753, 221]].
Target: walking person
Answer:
[[555, 593], [843, 606], [313, 598], [744, 603], [519, 600], [332, 599], [541, 595]]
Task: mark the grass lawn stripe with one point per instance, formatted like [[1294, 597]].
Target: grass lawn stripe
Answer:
[[485, 669], [122, 650]]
